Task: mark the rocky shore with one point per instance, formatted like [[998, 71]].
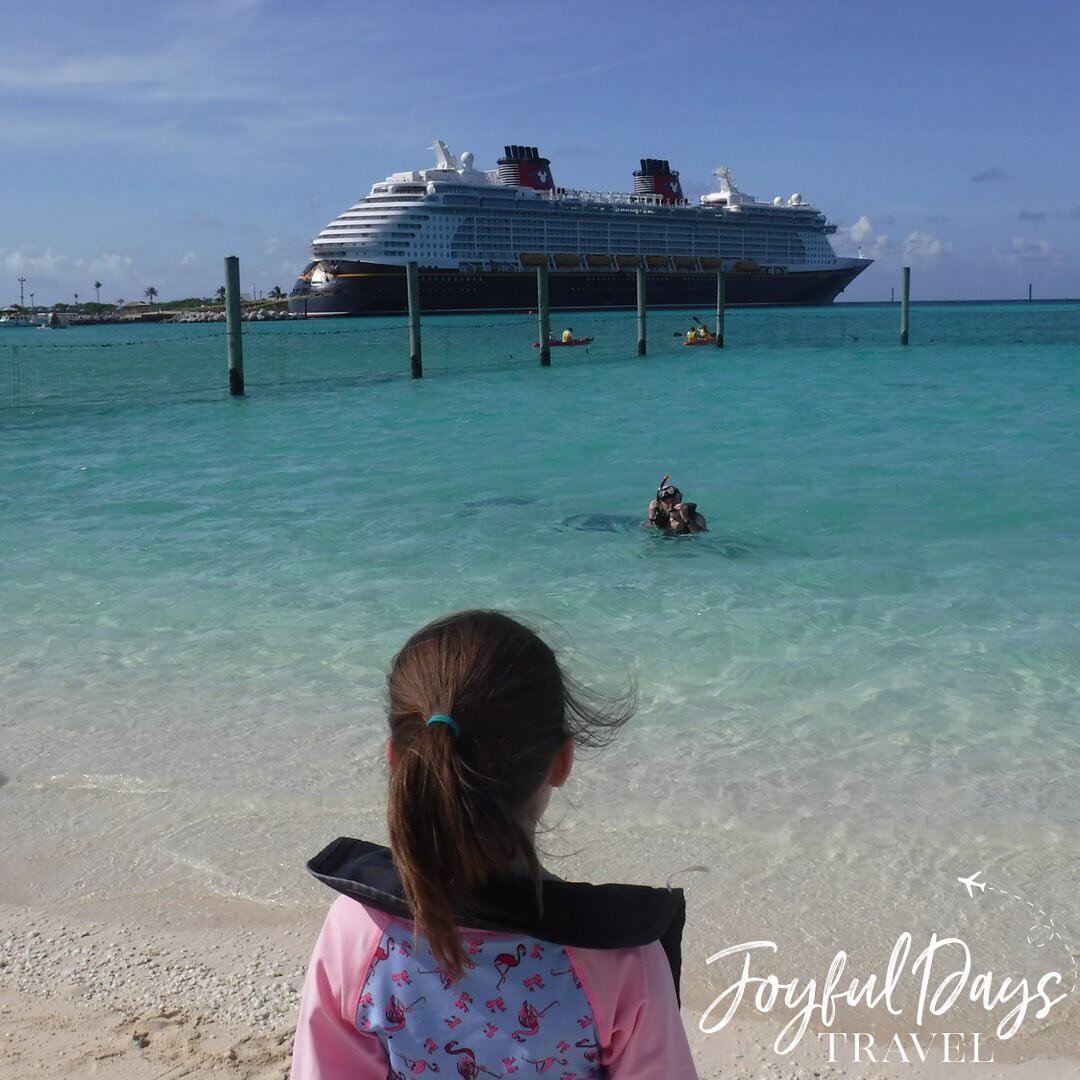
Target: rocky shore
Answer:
[[262, 314], [271, 313]]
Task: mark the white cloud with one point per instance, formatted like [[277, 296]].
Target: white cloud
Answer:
[[861, 230], [867, 244], [51, 266], [921, 247], [110, 264], [167, 54], [189, 259], [1029, 250], [50, 273], [45, 264]]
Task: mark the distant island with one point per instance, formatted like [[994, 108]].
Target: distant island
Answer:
[[189, 310]]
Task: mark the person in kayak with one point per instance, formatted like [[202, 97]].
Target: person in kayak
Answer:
[[669, 513], [568, 335], [453, 951]]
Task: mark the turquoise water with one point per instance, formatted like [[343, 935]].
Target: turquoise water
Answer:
[[861, 682]]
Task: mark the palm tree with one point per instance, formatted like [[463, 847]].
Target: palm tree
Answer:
[[97, 289], [150, 293], [276, 293], [221, 294]]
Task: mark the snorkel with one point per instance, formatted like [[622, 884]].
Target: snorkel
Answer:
[[670, 489]]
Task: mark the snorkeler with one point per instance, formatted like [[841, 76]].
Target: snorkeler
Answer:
[[669, 513]]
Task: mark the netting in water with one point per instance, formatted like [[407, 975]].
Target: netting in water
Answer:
[[96, 365]]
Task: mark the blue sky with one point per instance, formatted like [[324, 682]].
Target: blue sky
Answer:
[[142, 143]]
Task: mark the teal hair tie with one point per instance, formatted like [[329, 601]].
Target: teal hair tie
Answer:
[[442, 718]]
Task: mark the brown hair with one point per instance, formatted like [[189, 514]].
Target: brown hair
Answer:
[[457, 799]]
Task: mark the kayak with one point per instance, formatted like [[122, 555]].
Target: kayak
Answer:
[[710, 340], [572, 341]]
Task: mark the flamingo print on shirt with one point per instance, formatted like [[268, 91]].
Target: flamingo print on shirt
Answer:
[[529, 1019], [505, 973], [467, 1067], [506, 962], [395, 1013]]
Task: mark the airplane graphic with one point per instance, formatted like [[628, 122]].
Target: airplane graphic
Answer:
[[971, 884]]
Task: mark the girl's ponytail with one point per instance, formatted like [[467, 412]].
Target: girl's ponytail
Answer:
[[478, 709], [449, 838]]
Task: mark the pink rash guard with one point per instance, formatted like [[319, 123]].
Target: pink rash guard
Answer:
[[377, 1006]]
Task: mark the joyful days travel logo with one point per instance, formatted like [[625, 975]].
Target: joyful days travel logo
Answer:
[[943, 974]]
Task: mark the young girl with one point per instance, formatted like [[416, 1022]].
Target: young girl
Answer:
[[454, 952]]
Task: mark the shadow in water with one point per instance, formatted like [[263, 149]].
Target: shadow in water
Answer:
[[725, 545], [498, 500], [474, 507], [609, 523]]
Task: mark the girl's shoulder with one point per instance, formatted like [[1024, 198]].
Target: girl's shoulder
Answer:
[[580, 914], [589, 981], [519, 1000], [376, 1002], [575, 914]]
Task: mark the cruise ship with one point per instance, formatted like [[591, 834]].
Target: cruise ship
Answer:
[[478, 236]]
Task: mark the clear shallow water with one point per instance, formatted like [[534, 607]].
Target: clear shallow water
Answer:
[[862, 682]]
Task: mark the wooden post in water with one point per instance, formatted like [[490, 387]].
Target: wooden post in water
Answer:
[[720, 309], [905, 300], [234, 326], [543, 314], [641, 311], [412, 278]]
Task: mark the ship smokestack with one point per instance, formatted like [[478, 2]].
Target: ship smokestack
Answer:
[[656, 177], [524, 167]]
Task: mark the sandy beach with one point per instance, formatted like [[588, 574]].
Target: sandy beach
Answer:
[[163, 987]]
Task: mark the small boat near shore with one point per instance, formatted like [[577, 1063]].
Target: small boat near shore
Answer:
[[555, 343]]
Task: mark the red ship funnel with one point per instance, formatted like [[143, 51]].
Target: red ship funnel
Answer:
[[524, 167], [656, 177]]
